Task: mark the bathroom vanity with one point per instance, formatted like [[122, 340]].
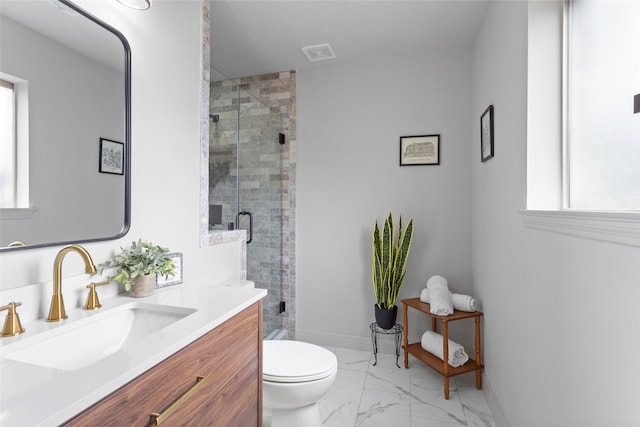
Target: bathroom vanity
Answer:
[[215, 380], [202, 369]]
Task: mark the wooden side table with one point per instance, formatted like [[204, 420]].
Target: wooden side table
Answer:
[[440, 366]]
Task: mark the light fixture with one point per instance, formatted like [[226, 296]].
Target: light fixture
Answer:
[[137, 4], [319, 52]]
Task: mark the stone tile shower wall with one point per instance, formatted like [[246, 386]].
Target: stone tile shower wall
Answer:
[[259, 108], [223, 152]]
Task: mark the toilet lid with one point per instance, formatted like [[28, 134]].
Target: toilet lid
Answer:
[[288, 361]]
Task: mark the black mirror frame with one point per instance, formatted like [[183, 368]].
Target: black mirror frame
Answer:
[[127, 139]]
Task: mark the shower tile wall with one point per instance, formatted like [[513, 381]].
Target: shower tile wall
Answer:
[[267, 106]]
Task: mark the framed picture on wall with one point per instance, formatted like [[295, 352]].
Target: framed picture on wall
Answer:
[[419, 150], [111, 156], [486, 134]]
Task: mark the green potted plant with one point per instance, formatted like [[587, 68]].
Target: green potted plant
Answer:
[[390, 250], [138, 267]]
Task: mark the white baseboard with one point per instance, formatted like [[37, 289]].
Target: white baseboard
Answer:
[[326, 339], [494, 405], [386, 343]]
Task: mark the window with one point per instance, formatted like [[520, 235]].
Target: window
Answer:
[[7, 145], [599, 200], [14, 143], [602, 133]]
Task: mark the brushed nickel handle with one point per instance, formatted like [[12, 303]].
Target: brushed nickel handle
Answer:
[[158, 418]]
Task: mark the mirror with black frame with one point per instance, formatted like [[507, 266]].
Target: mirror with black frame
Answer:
[[65, 126]]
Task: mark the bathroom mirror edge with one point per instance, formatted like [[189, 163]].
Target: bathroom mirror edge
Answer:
[[127, 141]]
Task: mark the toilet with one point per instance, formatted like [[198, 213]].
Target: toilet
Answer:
[[295, 376]]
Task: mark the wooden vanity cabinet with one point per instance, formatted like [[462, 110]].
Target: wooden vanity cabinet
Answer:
[[229, 358]]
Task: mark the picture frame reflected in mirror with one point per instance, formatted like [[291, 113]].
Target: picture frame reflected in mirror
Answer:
[[111, 157]]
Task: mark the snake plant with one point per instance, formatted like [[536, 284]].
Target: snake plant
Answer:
[[389, 260]]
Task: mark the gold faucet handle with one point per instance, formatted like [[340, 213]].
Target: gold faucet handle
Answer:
[[12, 324], [92, 299]]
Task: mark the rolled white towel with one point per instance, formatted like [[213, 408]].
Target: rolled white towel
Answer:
[[424, 295], [464, 302], [439, 296], [437, 280], [460, 301], [432, 342]]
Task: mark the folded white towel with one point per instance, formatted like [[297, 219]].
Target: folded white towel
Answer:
[[432, 342], [439, 296], [460, 301]]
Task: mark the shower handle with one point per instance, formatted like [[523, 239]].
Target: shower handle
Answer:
[[250, 224]]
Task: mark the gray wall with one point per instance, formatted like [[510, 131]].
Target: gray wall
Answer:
[[350, 118], [560, 330], [561, 326]]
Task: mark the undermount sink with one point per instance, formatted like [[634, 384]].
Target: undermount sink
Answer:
[[85, 342]]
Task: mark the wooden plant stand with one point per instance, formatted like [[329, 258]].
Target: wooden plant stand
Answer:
[[442, 367]]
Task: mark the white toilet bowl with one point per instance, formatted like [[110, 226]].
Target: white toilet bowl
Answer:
[[296, 375]]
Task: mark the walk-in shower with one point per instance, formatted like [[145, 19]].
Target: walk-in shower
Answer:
[[249, 186]]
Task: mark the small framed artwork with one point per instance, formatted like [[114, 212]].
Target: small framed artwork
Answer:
[[162, 281], [486, 134], [111, 157], [419, 150]]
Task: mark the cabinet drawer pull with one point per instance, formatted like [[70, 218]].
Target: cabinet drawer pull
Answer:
[[158, 418]]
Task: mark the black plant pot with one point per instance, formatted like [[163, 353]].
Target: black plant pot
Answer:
[[386, 319]]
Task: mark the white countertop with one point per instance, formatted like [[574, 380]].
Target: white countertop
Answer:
[[32, 395]]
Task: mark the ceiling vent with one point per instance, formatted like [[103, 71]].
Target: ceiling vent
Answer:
[[319, 52]]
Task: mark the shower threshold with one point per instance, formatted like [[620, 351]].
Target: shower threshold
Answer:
[[277, 334]]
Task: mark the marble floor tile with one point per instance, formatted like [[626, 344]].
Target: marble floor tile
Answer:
[[387, 396], [384, 409], [352, 359], [425, 422], [426, 378], [340, 407], [386, 376], [431, 404], [475, 407]]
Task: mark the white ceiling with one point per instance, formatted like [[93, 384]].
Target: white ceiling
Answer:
[[251, 37], [60, 23]]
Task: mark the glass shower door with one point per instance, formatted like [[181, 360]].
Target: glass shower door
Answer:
[[260, 200]]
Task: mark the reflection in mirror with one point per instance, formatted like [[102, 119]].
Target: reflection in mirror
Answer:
[[70, 77]]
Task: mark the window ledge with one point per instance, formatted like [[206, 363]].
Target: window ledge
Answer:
[[17, 213], [616, 227]]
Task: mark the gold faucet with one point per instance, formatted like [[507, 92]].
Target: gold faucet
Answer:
[[56, 311]]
